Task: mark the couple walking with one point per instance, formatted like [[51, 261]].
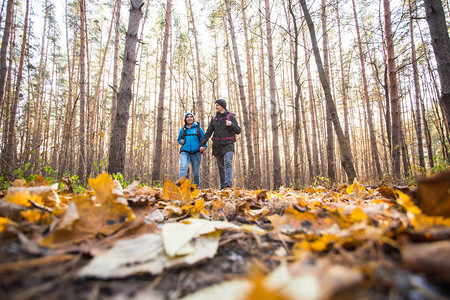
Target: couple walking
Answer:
[[193, 143]]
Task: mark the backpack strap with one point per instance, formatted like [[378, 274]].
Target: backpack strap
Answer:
[[229, 116], [183, 137]]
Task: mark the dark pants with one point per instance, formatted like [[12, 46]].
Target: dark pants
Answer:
[[225, 165]]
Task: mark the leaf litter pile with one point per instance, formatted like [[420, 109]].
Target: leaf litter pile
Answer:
[[347, 242]]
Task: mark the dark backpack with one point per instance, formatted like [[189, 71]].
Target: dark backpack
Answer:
[[183, 136], [227, 118]]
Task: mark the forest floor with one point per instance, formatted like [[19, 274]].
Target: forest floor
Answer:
[[346, 242]]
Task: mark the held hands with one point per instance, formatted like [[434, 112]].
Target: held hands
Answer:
[[228, 123], [202, 149], [182, 142]]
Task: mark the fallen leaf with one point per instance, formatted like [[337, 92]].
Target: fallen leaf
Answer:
[[431, 258], [84, 219], [3, 223], [228, 290], [434, 194]]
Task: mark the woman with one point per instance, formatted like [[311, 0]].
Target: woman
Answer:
[[189, 138]]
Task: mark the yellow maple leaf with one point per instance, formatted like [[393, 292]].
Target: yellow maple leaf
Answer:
[[170, 191], [34, 215], [186, 192], [422, 221], [357, 215], [405, 201], [198, 207], [21, 197], [419, 220], [85, 220], [103, 185], [314, 243], [3, 223]]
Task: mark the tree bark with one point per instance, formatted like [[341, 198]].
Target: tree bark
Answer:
[[393, 91], [314, 171], [250, 178], [117, 148], [162, 87], [373, 141], [417, 93], [82, 130], [253, 111], [9, 154], [346, 156], [441, 45], [273, 103], [200, 112], [298, 90], [4, 48], [329, 126], [116, 63]]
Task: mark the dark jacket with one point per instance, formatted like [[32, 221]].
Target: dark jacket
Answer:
[[223, 141], [191, 141]]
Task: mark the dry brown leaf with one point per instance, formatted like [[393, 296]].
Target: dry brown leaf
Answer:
[[85, 219], [434, 194], [430, 258]]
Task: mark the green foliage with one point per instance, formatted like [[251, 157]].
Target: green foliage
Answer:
[[97, 167], [440, 165], [320, 180], [157, 184], [119, 177], [51, 175], [76, 183], [19, 173], [4, 184]]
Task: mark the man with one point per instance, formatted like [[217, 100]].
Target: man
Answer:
[[189, 138], [225, 127]]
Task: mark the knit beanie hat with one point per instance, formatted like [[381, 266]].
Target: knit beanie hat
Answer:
[[187, 114], [222, 103]]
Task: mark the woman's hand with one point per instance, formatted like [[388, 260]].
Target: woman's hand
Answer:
[[202, 149]]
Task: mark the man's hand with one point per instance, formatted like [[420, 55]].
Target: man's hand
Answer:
[[228, 123], [182, 142], [202, 149]]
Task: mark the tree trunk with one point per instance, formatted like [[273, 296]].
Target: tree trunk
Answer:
[[4, 48], [156, 170], [265, 140], [441, 45], [253, 113], [116, 63], [329, 126], [346, 156], [68, 114], [250, 178], [417, 94], [9, 154], [393, 91], [298, 91], [314, 147], [117, 148], [273, 103], [373, 141], [200, 113], [344, 85], [82, 150]]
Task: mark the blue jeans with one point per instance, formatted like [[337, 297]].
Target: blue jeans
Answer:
[[195, 159], [225, 164]]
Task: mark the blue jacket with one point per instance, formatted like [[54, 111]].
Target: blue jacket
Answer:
[[192, 143]]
